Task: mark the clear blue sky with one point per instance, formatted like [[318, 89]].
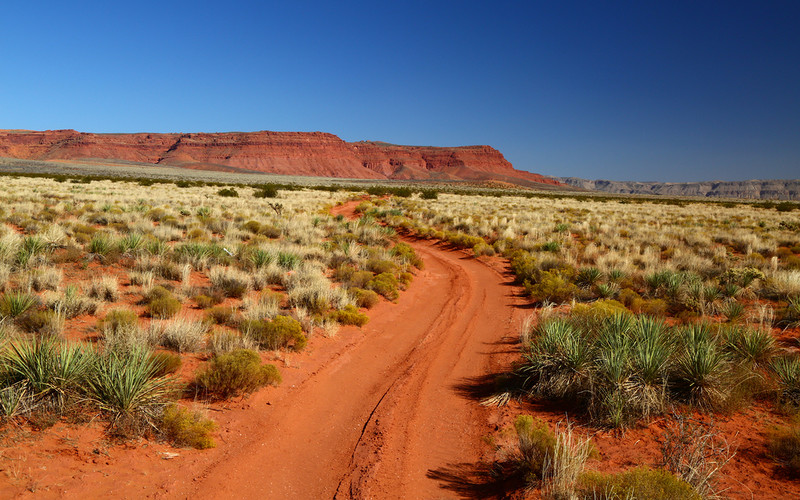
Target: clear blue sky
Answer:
[[639, 90]]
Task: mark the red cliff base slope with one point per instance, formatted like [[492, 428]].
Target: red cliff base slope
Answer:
[[287, 153]]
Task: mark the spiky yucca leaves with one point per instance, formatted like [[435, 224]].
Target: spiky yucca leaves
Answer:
[[786, 370], [750, 346], [703, 369], [131, 243], [261, 258], [613, 365], [14, 400], [13, 304], [49, 371], [125, 386], [560, 361], [650, 354]]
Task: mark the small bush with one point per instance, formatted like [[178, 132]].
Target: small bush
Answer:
[[228, 193], [638, 483], [206, 301], [551, 287], [117, 319], [365, 298], [350, 315], [161, 303], [47, 323], [184, 427], [536, 445], [220, 315], [379, 266], [277, 333], [385, 284], [235, 373]]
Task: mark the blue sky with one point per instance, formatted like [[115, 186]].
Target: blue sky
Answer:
[[667, 91]]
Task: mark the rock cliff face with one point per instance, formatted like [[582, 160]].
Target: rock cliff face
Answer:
[[287, 153], [753, 189]]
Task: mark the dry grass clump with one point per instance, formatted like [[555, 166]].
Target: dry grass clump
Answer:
[[181, 334]]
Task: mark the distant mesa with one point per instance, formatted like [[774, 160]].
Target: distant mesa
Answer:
[[286, 153], [751, 189]]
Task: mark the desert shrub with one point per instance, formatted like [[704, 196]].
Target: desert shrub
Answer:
[[406, 252], [45, 323], [220, 315], [696, 452], [551, 287], [168, 363], [231, 282], [288, 260], [205, 301], [183, 335], [105, 289], [235, 373], [536, 444], [13, 304], [125, 387], [100, 245], [784, 447], [638, 483], [365, 298], [278, 333], [524, 267], [117, 319], [45, 279], [483, 248], [741, 276], [228, 193], [161, 303], [752, 347], [350, 315], [598, 311], [384, 284], [261, 258], [266, 191], [358, 279], [185, 427], [379, 266], [221, 342], [588, 277]]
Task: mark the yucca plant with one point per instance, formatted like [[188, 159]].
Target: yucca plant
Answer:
[[124, 386], [751, 346], [588, 276], [703, 367], [50, 371], [288, 260], [261, 258], [787, 373], [13, 304], [13, 400], [100, 245], [733, 311], [131, 243], [560, 361]]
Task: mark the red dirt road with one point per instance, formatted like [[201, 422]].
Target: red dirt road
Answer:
[[365, 415]]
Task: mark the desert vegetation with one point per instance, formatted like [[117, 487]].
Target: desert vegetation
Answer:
[[106, 289]]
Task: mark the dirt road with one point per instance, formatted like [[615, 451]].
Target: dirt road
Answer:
[[367, 415]]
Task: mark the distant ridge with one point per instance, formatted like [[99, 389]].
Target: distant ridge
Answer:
[[752, 189], [286, 153]]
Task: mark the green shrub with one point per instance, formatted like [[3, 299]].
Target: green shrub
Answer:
[[117, 319], [365, 298], [41, 322], [234, 373], [551, 287], [206, 301], [266, 191], [161, 303], [379, 266], [406, 252], [385, 284], [483, 248], [184, 427], [639, 483], [350, 315], [228, 193], [220, 315], [536, 445], [277, 333]]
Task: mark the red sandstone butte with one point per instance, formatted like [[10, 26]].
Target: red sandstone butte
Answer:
[[288, 153]]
